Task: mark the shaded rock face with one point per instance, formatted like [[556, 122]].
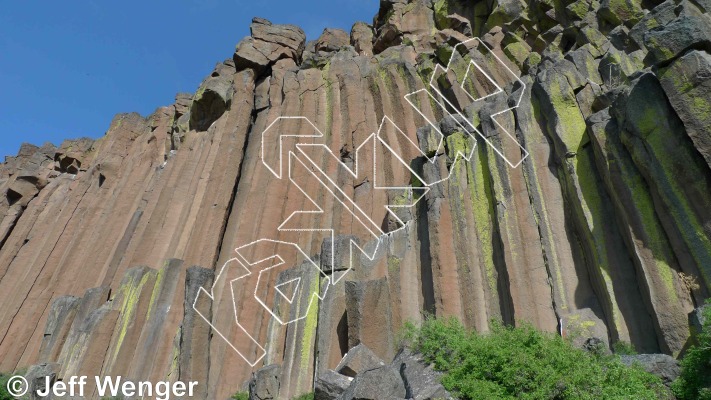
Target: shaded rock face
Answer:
[[37, 378], [131, 332], [662, 365], [213, 97], [407, 377], [265, 384], [358, 359], [683, 33], [379, 383], [603, 230], [421, 380], [697, 320], [369, 314], [687, 85], [330, 385]]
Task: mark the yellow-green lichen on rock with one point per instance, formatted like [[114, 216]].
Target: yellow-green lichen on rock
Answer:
[[661, 149], [617, 12], [309, 325], [582, 186], [585, 187], [482, 198], [393, 266], [129, 294], [517, 52], [578, 9], [569, 125], [441, 11], [645, 234]]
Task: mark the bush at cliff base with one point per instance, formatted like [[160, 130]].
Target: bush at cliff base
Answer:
[[4, 394], [524, 363], [695, 380]]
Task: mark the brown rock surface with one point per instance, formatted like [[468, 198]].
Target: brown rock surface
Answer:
[[602, 230], [362, 38], [332, 40]]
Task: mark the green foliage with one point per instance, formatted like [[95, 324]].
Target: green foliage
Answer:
[[622, 348], [308, 396], [4, 378], [240, 396], [695, 380], [4, 395], [406, 336], [524, 363]]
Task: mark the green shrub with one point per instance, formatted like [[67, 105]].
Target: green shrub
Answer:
[[308, 396], [240, 396], [524, 363], [695, 380], [623, 349], [4, 395]]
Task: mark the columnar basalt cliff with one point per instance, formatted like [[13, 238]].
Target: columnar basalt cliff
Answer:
[[604, 230]]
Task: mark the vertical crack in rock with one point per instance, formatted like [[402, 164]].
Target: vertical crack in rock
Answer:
[[35, 280], [248, 75], [605, 227]]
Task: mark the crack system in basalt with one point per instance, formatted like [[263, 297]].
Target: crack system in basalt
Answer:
[[604, 231]]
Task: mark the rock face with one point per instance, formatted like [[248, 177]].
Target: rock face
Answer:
[[697, 320], [378, 383], [265, 384], [268, 44], [407, 377], [213, 97], [330, 385], [37, 378], [332, 40], [576, 199], [662, 365], [358, 360], [421, 380], [687, 85]]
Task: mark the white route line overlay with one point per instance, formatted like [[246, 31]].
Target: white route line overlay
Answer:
[[330, 185]]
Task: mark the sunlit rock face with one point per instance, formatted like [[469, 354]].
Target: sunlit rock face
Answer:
[[603, 229]]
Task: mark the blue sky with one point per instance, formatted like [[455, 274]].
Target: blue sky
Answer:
[[67, 67]]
